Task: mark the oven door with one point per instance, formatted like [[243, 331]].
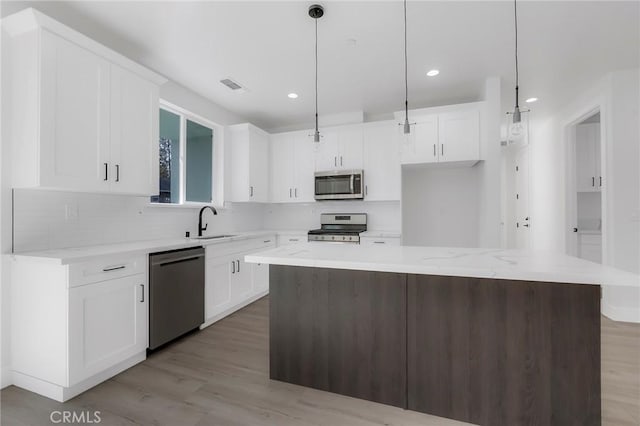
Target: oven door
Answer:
[[343, 185]]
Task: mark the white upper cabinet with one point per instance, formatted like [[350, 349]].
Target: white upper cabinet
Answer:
[[442, 135], [588, 174], [250, 163], [382, 175], [421, 145], [340, 148], [134, 123], [82, 117], [73, 119], [459, 136], [292, 167]]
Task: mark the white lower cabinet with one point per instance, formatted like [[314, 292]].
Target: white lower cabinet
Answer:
[[107, 323], [74, 326], [230, 283], [383, 241]]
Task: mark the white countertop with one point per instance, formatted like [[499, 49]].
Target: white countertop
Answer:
[[464, 262], [83, 254]]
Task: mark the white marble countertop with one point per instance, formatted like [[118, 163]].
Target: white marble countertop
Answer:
[[83, 254], [464, 262]]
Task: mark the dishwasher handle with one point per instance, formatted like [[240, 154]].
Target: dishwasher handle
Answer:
[[180, 260]]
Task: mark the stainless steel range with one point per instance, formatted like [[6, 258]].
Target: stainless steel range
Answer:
[[339, 228]]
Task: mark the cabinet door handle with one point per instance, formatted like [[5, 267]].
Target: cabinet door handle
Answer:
[[434, 149], [251, 191], [442, 149], [117, 172], [341, 160], [295, 191], [335, 161], [593, 181], [366, 190], [106, 171], [289, 192], [233, 264], [238, 265], [142, 298], [113, 268], [600, 181]]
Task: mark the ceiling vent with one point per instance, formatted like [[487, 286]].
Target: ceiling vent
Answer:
[[233, 85]]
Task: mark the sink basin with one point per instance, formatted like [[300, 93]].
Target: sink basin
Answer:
[[213, 237]]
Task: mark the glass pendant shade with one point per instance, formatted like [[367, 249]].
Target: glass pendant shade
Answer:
[[518, 131]]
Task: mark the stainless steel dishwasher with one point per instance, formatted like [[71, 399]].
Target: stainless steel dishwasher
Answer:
[[176, 294]]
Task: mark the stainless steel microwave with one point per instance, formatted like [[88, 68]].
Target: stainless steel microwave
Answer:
[[339, 185]]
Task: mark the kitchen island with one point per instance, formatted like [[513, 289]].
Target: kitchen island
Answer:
[[486, 336]]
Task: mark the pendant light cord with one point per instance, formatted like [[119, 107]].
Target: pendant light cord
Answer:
[[515, 19], [316, 20], [406, 82]]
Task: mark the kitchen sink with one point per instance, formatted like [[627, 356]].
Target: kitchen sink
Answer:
[[213, 237]]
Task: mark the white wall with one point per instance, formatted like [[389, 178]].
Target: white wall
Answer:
[[381, 215], [618, 96], [440, 207]]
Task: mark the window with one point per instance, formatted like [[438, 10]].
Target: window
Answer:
[[187, 157]]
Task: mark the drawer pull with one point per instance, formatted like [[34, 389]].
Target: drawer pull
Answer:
[[266, 241], [113, 268], [294, 239], [379, 242]]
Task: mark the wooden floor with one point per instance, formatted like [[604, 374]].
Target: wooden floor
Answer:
[[219, 376]]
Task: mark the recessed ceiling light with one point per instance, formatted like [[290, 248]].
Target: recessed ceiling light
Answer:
[[531, 100], [292, 95], [433, 73]]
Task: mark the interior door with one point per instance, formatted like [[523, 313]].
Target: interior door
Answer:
[[523, 221], [108, 323], [134, 134], [74, 114]]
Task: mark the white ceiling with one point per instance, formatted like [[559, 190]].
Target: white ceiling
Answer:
[[268, 47]]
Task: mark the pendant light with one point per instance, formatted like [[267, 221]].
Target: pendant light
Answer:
[[516, 127], [316, 12], [406, 126]]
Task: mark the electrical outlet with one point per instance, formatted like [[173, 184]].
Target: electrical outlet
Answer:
[[71, 212]]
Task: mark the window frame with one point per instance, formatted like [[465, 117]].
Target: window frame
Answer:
[[217, 160]]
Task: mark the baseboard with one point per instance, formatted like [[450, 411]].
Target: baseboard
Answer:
[[62, 394], [6, 377], [232, 309], [620, 314]]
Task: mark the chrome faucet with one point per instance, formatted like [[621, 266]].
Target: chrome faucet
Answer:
[[200, 228]]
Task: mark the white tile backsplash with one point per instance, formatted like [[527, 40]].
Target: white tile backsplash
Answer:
[[46, 219], [53, 219]]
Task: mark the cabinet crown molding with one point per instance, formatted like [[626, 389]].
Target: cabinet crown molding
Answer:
[[31, 19]]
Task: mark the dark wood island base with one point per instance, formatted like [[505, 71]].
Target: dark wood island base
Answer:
[[485, 351]]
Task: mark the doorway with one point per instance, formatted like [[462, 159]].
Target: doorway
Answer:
[[586, 188]]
